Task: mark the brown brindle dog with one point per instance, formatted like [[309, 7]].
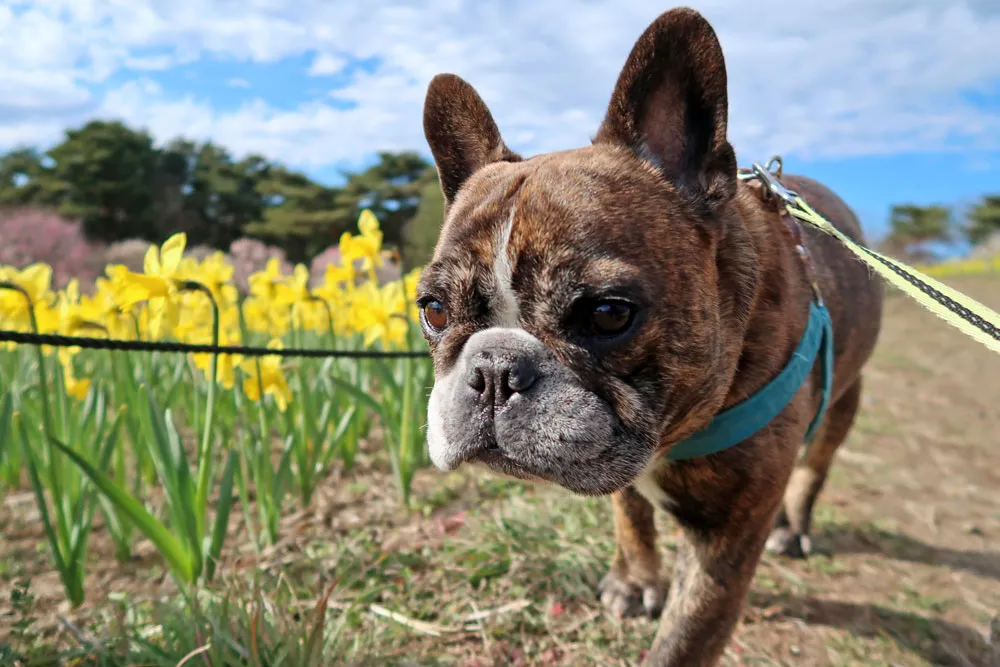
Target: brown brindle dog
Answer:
[[587, 310]]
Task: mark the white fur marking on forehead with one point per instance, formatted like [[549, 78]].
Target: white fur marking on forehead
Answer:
[[505, 309]]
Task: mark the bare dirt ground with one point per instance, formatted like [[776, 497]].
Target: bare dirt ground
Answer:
[[908, 534]]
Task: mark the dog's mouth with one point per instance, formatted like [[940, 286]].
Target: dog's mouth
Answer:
[[499, 459], [492, 456], [490, 453]]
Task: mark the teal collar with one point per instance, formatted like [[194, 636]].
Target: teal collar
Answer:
[[741, 421]]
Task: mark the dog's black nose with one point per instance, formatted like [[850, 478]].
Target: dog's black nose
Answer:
[[497, 379]]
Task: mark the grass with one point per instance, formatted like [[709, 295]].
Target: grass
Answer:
[[485, 571]]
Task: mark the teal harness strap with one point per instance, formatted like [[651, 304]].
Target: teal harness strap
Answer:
[[746, 418]]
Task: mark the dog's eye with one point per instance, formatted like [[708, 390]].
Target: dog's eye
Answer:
[[435, 316], [610, 318]]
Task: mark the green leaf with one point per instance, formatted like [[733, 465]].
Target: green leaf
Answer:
[[314, 641], [169, 546], [222, 509], [43, 507], [61, 408], [345, 421], [363, 398], [84, 496], [338, 433], [307, 401], [86, 502], [163, 461], [117, 529], [175, 382], [93, 406], [124, 387], [283, 473], [6, 416], [172, 467], [391, 385], [325, 417], [185, 488]]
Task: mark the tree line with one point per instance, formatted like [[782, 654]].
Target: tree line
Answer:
[[914, 230], [120, 185]]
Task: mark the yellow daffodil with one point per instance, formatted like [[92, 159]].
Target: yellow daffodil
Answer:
[[336, 292], [196, 313], [294, 289], [271, 378], [157, 284], [367, 246], [60, 317], [317, 316], [112, 303], [75, 387], [86, 318], [263, 283], [36, 281], [262, 316], [335, 276], [333, 312], [292, 294], [380, 313], [62, 314], [410, 281], [47, 316], [214, 274], [160, 269], [230, 320]]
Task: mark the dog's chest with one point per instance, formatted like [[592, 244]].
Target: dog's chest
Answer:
[[648, 483]]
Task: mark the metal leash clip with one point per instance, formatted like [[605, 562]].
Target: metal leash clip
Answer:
[[768, 175]]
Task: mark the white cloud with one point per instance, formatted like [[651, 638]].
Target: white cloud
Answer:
[[839, 78], [150, 63], [40, 90], [325, 64], [237, 82]]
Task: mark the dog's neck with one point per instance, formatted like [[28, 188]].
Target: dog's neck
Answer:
[[779, 310]]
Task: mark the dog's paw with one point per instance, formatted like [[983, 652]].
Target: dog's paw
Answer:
[[624, 598], [786, 543]]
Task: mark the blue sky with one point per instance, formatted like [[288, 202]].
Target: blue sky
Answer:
[[887, 101]]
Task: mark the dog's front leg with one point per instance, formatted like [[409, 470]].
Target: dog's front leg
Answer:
[[712, 576], [633, 585]]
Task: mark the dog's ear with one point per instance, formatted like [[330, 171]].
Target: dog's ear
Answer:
[[670, 106], [461, 132]]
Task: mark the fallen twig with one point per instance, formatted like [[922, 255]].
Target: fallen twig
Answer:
[[192, 654], [422, 627], [470, 623]]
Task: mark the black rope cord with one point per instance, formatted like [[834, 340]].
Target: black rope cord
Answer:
[[936, 295], [56, 340]]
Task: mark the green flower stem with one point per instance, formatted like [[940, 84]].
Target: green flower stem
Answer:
[[405, 432], [123, 388], [326, 307], [146, 364], [264, 460], [205, 451]]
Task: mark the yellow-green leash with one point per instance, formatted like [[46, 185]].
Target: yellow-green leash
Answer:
[[972, 318]]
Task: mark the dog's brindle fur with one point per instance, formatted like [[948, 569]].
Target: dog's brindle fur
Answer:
[[654, 204]]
